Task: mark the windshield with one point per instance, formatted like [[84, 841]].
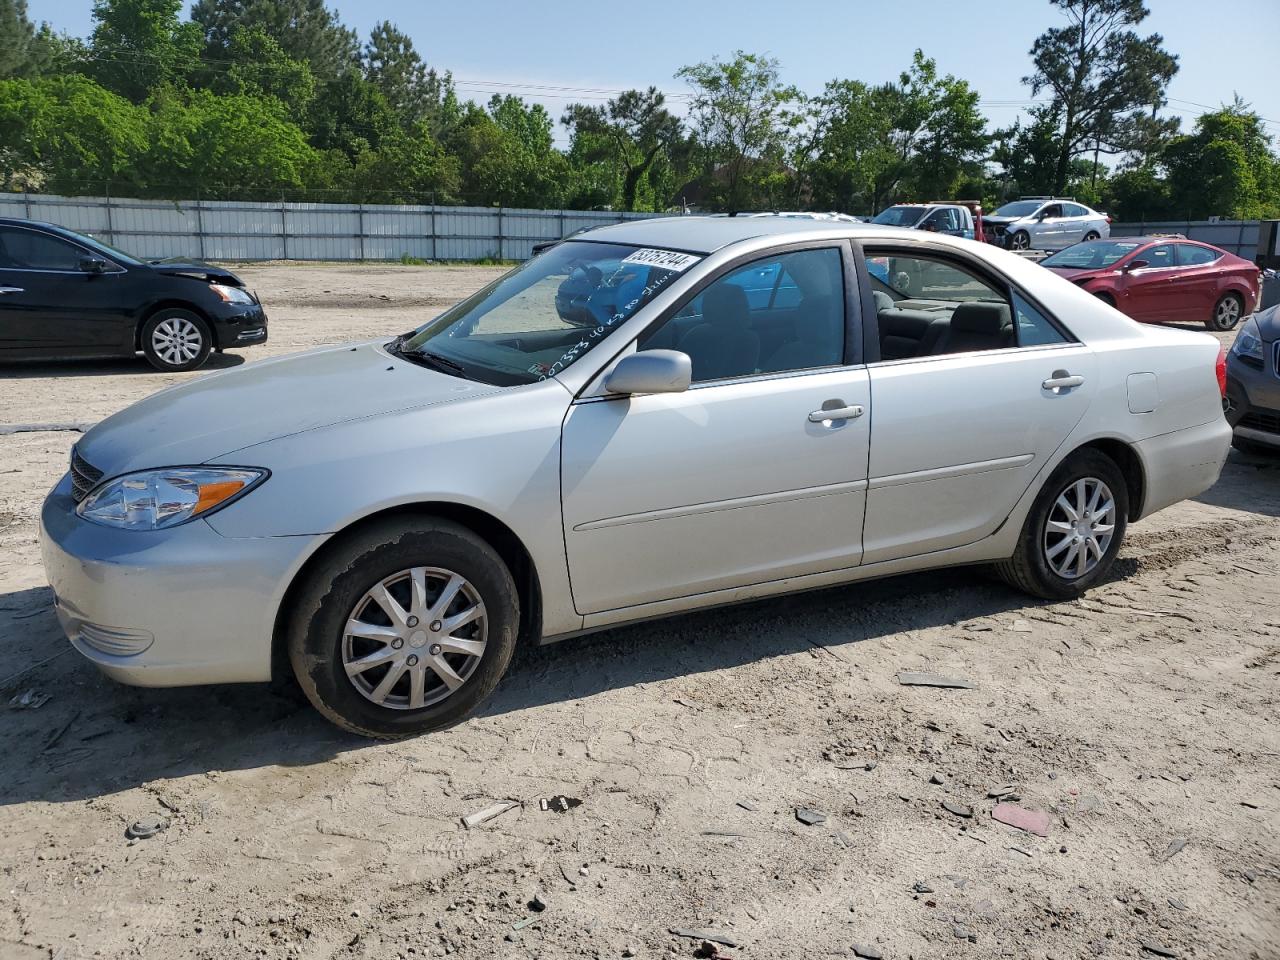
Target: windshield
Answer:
[[548, 313], [899, 216], [1019, 208], [1092, 255], [115, 253]]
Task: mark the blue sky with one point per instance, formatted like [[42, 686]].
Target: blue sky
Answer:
[[1224, 47]]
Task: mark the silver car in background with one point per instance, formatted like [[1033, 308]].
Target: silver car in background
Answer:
[[1044, 223], [656, 417]]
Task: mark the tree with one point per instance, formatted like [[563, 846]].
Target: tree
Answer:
[[138, 45], [68, 134], [1100, 75], [741, 115], [350, 114], [392, 64], [260, 67], [628, 133], [1225, 168], [306, 30]]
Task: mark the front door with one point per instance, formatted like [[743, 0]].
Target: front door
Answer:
[[49, 305], [1147, 292], [756, 473], [961, 428]]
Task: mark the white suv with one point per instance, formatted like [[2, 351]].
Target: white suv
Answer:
[[1044, 223]]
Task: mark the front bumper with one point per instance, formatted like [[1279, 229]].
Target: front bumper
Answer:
[[1254, 397], [168, 607], [239, 325]]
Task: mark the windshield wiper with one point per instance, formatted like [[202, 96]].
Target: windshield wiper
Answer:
[[433, 361]]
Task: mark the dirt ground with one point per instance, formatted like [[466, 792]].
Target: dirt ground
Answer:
[[1143, 719]]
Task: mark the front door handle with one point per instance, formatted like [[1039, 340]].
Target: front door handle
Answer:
[[1062, 380], [836, 413], [10, 289]]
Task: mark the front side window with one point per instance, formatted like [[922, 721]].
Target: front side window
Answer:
[[1189, 255], [1158, 256], [1052, 211], [927, 307], [546, 314], [739, 326], [22, 249]]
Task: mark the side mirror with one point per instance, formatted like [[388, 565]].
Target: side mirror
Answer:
[[1135, 265], [92, 265], [651, 371]]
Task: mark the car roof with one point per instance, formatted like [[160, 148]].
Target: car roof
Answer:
[[708, 234]]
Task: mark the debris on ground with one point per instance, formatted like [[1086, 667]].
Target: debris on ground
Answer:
[[1032, 821], [938, 780], [488, 813], [33, 699], [559, 803], [1175, 845], [912, 679], [715, 936], [810, 818], [921, 887], [867, 952], [146, 828], [1001, 793], [959, 809], [536, 903], [1159, 949]]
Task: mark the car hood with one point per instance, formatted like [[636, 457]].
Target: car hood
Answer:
[[178, 267], [220, 413], [1077, 273], [1268, 322], [992, 218]]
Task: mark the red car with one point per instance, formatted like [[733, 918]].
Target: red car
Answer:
[[1154, 279]]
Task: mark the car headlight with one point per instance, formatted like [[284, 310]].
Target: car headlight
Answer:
[[231, 294], [1248, 345], [158, 499]]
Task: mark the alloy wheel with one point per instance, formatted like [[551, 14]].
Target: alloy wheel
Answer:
[[414, 638], [1080, 527], [176, 340], [1021, 241], [1227, 313]]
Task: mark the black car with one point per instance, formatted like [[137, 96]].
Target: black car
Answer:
[[63, 294]]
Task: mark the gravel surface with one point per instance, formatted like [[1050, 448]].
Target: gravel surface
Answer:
[[1140, 724]]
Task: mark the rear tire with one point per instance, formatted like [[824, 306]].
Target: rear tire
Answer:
[[175, 340], [1035, 566], [413, 672], [1092, 235], [1226, 313]]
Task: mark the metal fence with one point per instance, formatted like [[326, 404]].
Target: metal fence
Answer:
[[237, 230], [1235, 236]]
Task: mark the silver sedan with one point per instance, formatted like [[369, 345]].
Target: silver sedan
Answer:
[[658, 417]]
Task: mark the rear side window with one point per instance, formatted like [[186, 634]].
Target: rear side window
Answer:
[[1160, 256], [22, 249], [1189, 255], [1034, 329], [1075, 210]]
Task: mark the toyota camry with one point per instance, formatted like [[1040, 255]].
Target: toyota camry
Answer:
[[653, 418]]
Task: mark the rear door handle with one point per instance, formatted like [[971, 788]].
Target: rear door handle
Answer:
[[836, 413], [1061, 380], [10, 289]]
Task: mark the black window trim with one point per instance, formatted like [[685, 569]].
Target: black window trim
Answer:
[[871, 329], [84, 252], [853, 313]]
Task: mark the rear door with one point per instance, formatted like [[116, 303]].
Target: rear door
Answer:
[[741, 479], [49, 306], [1197, 280], [960, 430]]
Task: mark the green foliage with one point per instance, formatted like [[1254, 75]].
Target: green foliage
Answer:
[[413, 91], [1225, 168], [306, 30], [625, 138], [139, 45]]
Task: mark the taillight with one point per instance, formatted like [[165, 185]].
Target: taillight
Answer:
[[1221, 370], [1108, 221]]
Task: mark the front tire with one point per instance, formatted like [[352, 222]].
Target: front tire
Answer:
[[1226, 313], [1020, 241], [175, 340], [1074, 529], [404, 628]]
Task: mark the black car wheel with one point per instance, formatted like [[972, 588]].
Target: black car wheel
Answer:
[[1074, 529], [1091, 235], [404, 628], [174, 340], [1020, 241]]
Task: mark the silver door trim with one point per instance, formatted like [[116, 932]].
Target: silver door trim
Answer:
[[718, 506], [956, 470]]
